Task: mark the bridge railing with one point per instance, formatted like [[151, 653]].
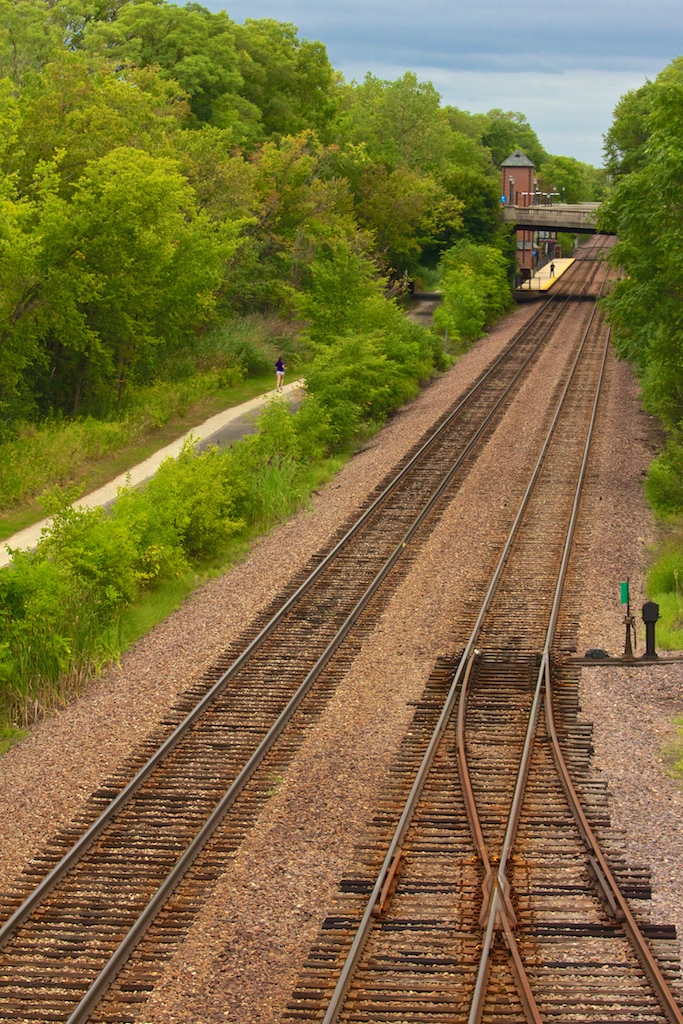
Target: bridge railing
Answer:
[[579, 218]]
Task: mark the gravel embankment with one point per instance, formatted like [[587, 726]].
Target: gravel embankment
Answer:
[[244, 952]]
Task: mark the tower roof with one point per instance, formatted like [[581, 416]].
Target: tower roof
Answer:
[[517, 159]]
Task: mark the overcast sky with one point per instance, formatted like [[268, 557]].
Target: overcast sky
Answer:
[[564, 65]]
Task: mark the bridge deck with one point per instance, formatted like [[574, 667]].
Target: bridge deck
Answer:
[[579, 218]]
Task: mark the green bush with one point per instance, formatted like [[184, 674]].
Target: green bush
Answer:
[[369, 358], [475, 291], [356, 383], [664, 483], [665, 586], [264, 468], [670, 625], [60, 605]]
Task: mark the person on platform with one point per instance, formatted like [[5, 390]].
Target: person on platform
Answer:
[[279, 374], [552, 270]]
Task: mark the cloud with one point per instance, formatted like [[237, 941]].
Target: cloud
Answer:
[[458, 33], [563, 65]]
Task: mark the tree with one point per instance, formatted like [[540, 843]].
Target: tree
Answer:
[[400, 123], [190, 45], [115, 279], [343, 281], [30, 34], [296, 203], [644, 208], [20, 250], [74, 112], [626, 140], [574, 181], [406, 211], [504, 132], [475, 291], [289, 80]]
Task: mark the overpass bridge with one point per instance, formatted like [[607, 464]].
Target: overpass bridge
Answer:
[[576, 218]]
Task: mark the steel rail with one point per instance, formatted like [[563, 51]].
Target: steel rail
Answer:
[[123, 951], [615, 902], [614, 899], [498, 889], [460, 680], [607, 885], [114, 964], [71, 858]]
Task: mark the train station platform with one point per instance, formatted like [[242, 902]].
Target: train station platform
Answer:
[[543, 280], [223, 428]]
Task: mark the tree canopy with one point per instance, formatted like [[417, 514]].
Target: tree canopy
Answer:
[[644, 209], [162, 167]]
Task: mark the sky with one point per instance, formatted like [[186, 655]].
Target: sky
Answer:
[[564, 65]]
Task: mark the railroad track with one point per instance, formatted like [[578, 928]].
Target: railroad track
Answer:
[[481, 892], [213, 766]]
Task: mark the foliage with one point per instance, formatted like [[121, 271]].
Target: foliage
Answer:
[[571, 181], [163, 167], [502, 132], [626, 141], [289, 80], [665, 586], [645, 154], [475, 291], [646, 308], [195, 48], [398, 123], [664, 482], [405, 211]]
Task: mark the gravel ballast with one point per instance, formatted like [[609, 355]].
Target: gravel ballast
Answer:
[[244, 952]]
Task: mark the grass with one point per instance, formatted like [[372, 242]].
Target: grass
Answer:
[[9, 735], [665, 587], [90, 473], [669, 629], [673, 751]]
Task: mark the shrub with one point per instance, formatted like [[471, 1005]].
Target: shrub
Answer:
[[475, 291], [356, 383], [664, 483]]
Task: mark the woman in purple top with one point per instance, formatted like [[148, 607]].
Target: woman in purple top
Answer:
[[279, 374]]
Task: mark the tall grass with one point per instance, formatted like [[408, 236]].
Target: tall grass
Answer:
[[9, 735], [59, 452], [665, 586]]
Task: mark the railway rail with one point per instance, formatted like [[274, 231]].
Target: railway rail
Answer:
[[211, 770], [483, 893]]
